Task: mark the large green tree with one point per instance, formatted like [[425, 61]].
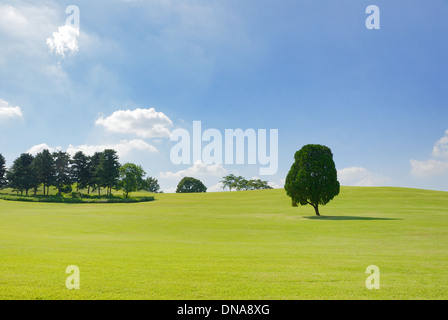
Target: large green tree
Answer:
[[190, 185], [131, 178], [22, 176], [94, 169], [44, 168], [313, 177], [3, 180], [62, 180], [81, 172], [109, 170]]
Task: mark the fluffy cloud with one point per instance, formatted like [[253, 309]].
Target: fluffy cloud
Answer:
[[277, 185], [216, 188], [123, 148], [433, 167], [428, 168], [198, 169], [361, 177], [65, 40], [441, 147], [144, 123], [41, 147], [8, 112]]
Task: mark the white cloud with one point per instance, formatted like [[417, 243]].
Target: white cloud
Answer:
[[278, 185], [41, 147], [428, 168], [123, 148], [441, 147], [144, 123], [361, 177], [8, 112], [65, 40], [198, 169], [433, 167], [170, 190], [216, 188], [12, 22]]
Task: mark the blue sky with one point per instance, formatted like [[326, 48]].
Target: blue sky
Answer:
[[311, 69]]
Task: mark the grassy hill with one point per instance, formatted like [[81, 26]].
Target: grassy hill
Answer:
[[238, 245]]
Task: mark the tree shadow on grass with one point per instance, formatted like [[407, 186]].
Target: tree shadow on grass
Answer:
[[345, 218]]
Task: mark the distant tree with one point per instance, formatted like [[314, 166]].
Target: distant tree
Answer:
[[240, 183], [44, 168], [152, 185], [109, 170], [22, 176], [228, 181], [3, 181], [131, 178], [257, 184], [190, 185], [62, 179], [313, 177], [81, 172]]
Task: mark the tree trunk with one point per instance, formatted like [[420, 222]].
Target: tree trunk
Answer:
[[316, 208]]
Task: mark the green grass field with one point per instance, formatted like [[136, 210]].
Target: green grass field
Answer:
[[238, 245]]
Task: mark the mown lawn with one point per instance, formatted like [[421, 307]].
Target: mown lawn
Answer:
[[238, 245]]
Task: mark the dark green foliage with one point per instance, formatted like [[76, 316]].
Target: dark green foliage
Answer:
[[44, 168], [94, 168], [22, 176], [62, 177], [190, 185], [313, 177], [3, 181], [257, 184], [81, 199], [81, 172], [108, 170], [152, 185], [102, 170], [131, 178], [240, 183]]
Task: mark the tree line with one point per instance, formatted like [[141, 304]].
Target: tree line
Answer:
[[240, 183], [101, 171]]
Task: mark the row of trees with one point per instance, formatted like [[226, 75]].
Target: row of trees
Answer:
[[240, 183], [102, 171]]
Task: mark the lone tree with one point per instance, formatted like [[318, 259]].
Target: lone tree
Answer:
[[190, 185], [313, 177]]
